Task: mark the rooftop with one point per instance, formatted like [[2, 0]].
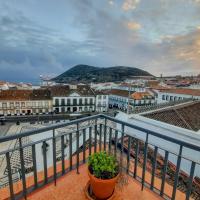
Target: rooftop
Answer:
[[193, 92], [141, 95], [185, 115], [83, 90], [25, 95]]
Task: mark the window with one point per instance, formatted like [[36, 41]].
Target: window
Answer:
[[163, 97], [86, 101], [56, 102], [40, 103], [17, 104], [91, 101], [62, 102], [171, 98], [74, 101], [167, 97], [11, 105], [99, 97], [80, 102], [34, 104], [4, 105], [23, 104], [104, 96], [68, 102]]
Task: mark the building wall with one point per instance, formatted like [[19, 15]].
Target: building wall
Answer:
[[122, 102], [25, 107], [74, 104], [166, 97], [101, 103]]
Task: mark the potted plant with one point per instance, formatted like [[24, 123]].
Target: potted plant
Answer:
[[103, 170]]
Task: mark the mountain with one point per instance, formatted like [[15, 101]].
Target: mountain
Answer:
[[87, 74]]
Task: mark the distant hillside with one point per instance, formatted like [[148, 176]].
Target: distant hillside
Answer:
[[87, 74]]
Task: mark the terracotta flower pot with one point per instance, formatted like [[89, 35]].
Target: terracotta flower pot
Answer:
[[102, 188]]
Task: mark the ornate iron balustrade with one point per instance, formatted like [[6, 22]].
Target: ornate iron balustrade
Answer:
[[65, 141]]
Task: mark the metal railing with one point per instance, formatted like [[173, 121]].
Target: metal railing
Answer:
[[66, 141]]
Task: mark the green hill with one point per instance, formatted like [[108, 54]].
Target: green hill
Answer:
[[88, 74]]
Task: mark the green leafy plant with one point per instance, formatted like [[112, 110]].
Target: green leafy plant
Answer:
[[102, 165]]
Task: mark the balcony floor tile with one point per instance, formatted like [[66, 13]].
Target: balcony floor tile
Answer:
[[71, 187]]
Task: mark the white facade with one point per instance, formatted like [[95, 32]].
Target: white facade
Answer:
[[101, 103], [74, 103], [77, 103], [25, 107], [164, 97], [121, 102]]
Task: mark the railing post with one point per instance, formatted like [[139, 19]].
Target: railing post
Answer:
[[77, 148], [95, 137], [63, 154], [90, 140], [105, 134], [154, 167], [177, 172], [164, 173], [128, 153], [22, 168], [110, 140], [70, 151], [145, 160], [34, 165], [100, 136], [136, 158], [54, 158], [84, 141], [10, 175], [116, 142], [190, 181]]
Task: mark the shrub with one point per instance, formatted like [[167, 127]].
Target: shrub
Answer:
[[103, 165]]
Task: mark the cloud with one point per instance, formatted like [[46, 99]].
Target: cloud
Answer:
[[133, 26], [111, 2], [130, 4], [151, 37]]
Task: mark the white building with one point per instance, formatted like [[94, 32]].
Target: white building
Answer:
[[77, 98], [21, 102], [177, 94], [121, 98], [101, 101]]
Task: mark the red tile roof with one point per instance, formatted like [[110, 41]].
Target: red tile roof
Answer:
[[185, 116], [123, 93], [141, 95], [193, 92], [25, 95]]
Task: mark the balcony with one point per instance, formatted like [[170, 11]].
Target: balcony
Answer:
[[50, 163]]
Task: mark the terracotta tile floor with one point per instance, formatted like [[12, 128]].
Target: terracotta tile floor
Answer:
[[71, 187]]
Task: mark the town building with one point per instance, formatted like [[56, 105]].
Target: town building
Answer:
[[78, 98], [101, 101], [120, 99], [25, 102], [176, 94]]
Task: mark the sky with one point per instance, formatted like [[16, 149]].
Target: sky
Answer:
[[47, 37]]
